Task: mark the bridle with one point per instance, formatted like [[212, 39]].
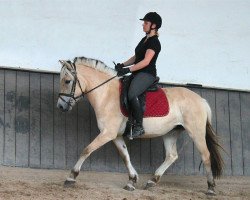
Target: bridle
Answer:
[[75, 81]]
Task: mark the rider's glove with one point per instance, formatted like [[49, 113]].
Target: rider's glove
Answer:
[[122, 71], [119, 66]]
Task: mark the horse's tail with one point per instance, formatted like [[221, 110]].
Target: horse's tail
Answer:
[[214, 146]]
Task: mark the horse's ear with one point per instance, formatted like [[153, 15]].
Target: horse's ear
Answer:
[[65, 63], [62, 62]]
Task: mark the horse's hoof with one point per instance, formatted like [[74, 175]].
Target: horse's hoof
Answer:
[[210, 192], [150, 184], [69, 183], [129, 187]]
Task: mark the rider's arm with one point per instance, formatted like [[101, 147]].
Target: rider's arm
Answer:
[[145, 62], [130, 61]]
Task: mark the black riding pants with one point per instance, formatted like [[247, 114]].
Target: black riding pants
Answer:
[[139, 84]]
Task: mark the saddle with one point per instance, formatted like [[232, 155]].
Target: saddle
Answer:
[[153, 101]]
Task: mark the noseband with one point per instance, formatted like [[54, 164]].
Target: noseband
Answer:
[[76, 80]]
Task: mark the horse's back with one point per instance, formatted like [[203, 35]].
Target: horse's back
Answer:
[[186, 100], [180, 93]]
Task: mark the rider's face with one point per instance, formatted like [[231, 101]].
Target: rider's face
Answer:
[[146, 26]]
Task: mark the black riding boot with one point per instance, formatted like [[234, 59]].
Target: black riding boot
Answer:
[[138, 116]]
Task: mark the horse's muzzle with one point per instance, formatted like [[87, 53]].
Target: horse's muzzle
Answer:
[[64, 104], [62, 108]]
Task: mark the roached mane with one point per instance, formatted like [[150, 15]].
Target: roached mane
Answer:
[[95, 64]]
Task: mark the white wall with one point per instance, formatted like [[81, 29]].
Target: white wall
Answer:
[[205, 42]]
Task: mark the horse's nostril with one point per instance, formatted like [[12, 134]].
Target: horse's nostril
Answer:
[[60, 107]]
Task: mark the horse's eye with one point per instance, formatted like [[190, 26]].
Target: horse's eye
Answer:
[[67, 81]]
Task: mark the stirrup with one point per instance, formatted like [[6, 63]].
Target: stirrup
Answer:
[[130, 135]]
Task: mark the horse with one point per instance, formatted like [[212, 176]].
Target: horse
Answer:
[[188, 111]]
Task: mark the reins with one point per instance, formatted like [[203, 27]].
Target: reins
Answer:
[[99, 85]]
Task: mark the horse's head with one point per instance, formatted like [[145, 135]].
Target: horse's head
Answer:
[[70, 89]]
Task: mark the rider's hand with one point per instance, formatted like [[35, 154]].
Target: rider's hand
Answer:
[[119, 66], [123, 71]]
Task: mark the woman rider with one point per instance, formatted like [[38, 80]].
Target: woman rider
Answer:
[[143, 68]]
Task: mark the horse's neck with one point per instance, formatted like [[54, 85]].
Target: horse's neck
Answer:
[[102, 95]]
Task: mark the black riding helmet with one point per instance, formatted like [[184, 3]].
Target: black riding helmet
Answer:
[[154, 18]]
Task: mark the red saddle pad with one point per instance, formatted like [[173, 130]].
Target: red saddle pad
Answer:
[[156, 104]]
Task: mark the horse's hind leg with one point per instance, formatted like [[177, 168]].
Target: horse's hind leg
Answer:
[[198, 136], [171, 156], [133, 176], [205, 156]]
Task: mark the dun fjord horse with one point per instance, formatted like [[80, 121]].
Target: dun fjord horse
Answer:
[[101, 86]]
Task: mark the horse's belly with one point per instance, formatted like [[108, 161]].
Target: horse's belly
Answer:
[[158, 126]]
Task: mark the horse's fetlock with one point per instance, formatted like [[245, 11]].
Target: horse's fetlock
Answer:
[[134, 179], [74, 173], [156, 179], [211, 184]]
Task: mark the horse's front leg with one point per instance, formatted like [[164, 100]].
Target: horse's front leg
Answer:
[[133, 176], [99, 141]]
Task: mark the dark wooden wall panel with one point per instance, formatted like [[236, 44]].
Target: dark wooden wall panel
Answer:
[[1, 115], [145, 156], [10, 118], [223, 130], [34, 133], [47, 136], [235, 130], [59, 130], [245, 119], [35, 120], [22, 119]]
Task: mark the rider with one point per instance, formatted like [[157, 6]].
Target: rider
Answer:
[[143, 67]]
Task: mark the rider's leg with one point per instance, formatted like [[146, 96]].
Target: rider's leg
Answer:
[[139, 84]]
